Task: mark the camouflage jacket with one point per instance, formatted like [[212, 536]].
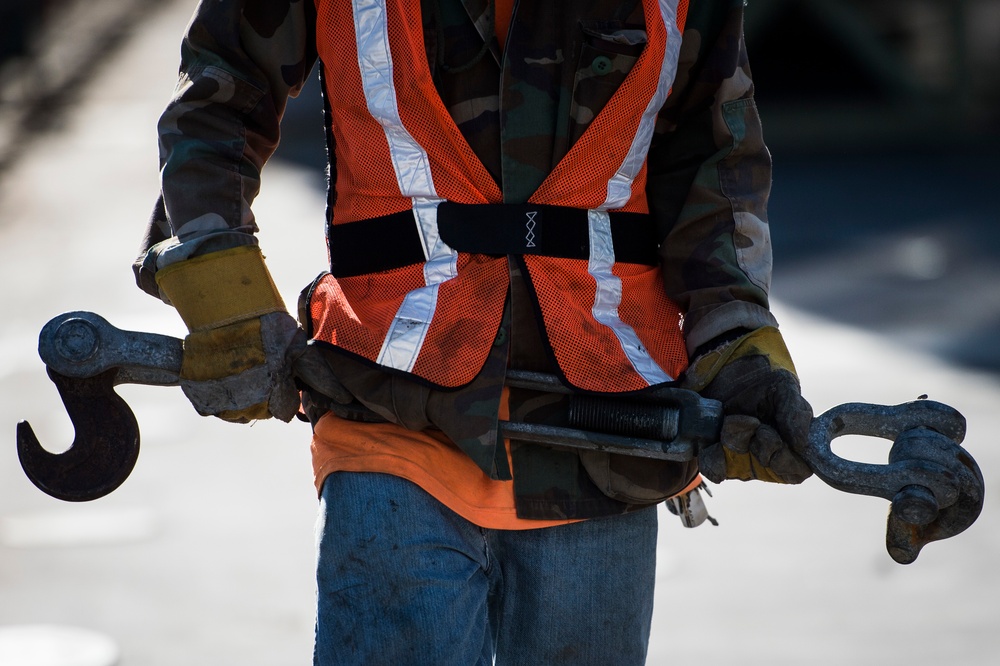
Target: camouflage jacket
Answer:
[[708, 170]]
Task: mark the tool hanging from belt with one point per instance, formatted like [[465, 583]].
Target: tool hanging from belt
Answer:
[[935, 487]]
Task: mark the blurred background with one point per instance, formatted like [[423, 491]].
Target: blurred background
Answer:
[[882, 117]]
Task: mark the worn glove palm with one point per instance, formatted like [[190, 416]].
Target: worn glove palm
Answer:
[[242, 341], [765, 417]]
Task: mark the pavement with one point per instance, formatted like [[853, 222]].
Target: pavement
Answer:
[[205, 555]]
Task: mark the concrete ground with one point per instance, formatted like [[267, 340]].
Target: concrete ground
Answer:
[[205, 555]]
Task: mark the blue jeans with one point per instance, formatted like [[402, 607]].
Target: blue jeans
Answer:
[[404, 580]]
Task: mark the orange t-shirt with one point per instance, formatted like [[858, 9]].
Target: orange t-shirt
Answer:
[[428, 459], [503, 12]]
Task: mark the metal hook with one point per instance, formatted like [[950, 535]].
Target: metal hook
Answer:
[[104, 450], [86, 357]]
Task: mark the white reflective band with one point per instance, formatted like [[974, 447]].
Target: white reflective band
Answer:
[[408, 330], [409, 159], [435, 250], [411, 164], [609, 297], [620, 185]]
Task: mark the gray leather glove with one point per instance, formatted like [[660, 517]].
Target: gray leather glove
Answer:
[[765, 417]]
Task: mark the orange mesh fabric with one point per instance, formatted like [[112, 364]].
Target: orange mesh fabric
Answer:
[[581, 177], [682, 12], [462, 335], [581, 343], [355, 314], [564, 289], [366, 180], [458, 173], [655, 318]]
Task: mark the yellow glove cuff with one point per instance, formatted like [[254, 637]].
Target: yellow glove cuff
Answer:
[[222, 352], [765, 341], [220, 288]]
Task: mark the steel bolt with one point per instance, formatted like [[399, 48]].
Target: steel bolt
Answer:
[[76, 340]]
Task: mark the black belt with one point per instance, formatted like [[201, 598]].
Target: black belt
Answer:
[[392, 241]]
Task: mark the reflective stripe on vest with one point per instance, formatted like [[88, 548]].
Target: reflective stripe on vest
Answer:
[[408, 330], [398, 149], [602, 257]]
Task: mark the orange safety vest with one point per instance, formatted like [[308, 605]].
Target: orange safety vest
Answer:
[[401, 161]]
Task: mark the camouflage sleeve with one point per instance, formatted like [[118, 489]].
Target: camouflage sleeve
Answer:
[[709, 180], [240, 61]]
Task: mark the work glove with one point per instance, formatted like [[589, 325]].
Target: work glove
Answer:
[[765, 417], [242, 342]]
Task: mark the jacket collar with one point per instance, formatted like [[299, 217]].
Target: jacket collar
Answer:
[[481, 14]]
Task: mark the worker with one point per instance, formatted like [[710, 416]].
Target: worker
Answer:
[[571, 188]]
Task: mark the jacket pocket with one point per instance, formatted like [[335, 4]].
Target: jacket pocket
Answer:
[[608, 53]]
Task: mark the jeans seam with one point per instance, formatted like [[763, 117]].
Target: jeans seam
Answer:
[[492, 616], [488, 560]]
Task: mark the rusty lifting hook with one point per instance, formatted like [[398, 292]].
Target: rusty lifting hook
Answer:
[[935, 487], [86, 357]]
